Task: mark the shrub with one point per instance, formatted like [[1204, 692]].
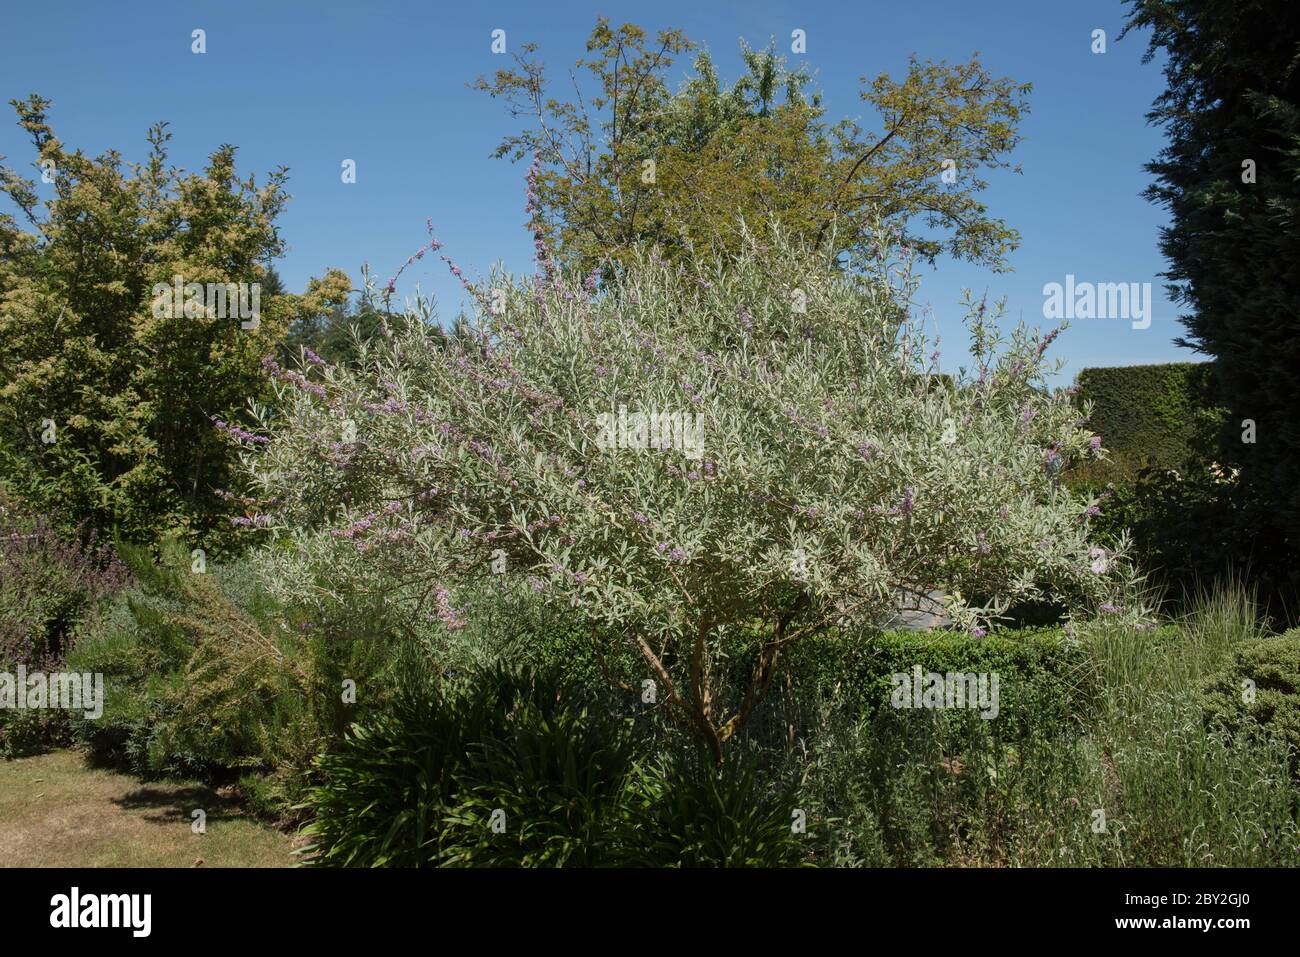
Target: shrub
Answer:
[[1194, 526], [1045, 683], [417, 783], [686, 811], [52, 588], [203, 675], [386, 784], [1153, 414], [833, 476], [555, 768], [909, 788], [1258, 693]]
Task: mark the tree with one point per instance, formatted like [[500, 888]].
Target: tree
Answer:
[[1230, 178], [637, 162], [699, 460], [335, 335], [111, 377]]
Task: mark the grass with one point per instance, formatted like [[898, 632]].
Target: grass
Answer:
[[55, 811], [1140, 783]]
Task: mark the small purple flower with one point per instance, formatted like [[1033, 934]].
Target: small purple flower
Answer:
[[1048, 340], [907, 500], [978, 632]]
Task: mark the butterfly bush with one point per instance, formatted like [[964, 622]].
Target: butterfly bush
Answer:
[[833, 479]]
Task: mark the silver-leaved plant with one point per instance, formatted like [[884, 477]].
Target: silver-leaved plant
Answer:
[[676, 453]]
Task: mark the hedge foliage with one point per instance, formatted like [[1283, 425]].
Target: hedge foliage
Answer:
[[1157, 414], [1045, 685], [1259, 692]]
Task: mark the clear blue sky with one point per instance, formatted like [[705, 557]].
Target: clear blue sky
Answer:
[[309, 84]]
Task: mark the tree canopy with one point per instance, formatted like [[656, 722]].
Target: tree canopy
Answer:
[[639, 161], [108, 404]]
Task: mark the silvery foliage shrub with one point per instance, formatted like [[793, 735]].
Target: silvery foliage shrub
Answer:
[[835, 473]]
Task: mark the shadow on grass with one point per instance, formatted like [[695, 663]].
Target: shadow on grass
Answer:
[[178, 803]]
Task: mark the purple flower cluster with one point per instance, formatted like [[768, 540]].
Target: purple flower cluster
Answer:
[[431, 246], [1048, 340], [807, 423], [256, 521], [390, 406], [241, 434], [364, 525], [533, 207], [450, 616], [299, 380]]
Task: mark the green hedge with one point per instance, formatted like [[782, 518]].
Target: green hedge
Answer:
[[1159, 414], [1272, 666], [1045, 685]]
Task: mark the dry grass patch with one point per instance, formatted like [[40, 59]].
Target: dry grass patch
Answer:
[[55, 811]]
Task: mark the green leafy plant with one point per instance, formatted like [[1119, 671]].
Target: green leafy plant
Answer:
[[1258, 693], [832, 475], [687, 811]]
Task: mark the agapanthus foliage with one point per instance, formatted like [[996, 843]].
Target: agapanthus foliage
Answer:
[[755, 444]]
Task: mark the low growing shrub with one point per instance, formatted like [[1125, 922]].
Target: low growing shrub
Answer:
[[1258, 693], [1045, 685], [686, 811]]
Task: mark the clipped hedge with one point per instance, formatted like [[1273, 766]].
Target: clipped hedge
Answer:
[[1045, 683], [1272, 667], [1157, 414]]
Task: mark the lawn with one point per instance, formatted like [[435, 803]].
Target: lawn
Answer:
[[55, 811]]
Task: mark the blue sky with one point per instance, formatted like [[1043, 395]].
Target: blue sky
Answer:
[[385, 83]]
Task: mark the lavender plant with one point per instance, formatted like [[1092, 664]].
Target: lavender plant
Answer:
[[680, 453], [52, 587]]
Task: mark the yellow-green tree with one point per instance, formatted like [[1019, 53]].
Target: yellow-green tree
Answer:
[[107, 401], [637, 161]]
